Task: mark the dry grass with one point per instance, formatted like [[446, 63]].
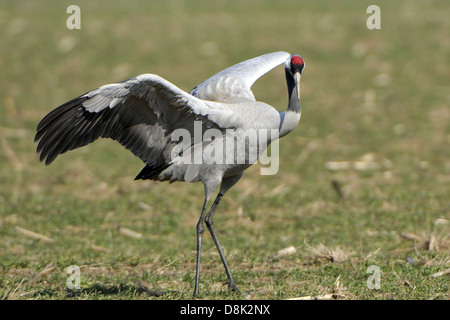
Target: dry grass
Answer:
[[322, 252]]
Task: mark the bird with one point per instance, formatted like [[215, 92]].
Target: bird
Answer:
[[148, 114]]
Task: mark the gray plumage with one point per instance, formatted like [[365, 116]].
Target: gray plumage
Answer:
[[144, 114]]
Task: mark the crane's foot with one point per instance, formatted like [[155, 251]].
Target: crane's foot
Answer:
[[195, 294], [232, 287]]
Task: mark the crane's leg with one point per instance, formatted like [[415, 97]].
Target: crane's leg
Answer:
[[209, 220], [200, 231], [210, 186]]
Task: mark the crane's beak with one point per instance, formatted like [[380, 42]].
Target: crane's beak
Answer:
[[297, 77]]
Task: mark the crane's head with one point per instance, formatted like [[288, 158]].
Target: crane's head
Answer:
[[295, 65]]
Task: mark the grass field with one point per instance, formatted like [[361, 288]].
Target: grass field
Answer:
[[363, 181]]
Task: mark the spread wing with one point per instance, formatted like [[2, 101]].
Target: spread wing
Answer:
[[234, 83], [140, 113]]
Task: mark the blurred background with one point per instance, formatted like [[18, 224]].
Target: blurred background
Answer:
[[363, 180]]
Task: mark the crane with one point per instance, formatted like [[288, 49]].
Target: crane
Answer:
[[148, 114]]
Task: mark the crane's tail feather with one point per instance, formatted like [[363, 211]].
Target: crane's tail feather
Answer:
[[151, 172]]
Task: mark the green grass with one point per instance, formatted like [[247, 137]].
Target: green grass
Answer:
[[378, 96]]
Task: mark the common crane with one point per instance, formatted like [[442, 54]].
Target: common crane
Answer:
[[148, 115]]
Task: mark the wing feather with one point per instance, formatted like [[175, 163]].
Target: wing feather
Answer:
[[140, 113], [234, 83]]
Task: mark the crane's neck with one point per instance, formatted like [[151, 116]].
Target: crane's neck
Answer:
[[290, 118]]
